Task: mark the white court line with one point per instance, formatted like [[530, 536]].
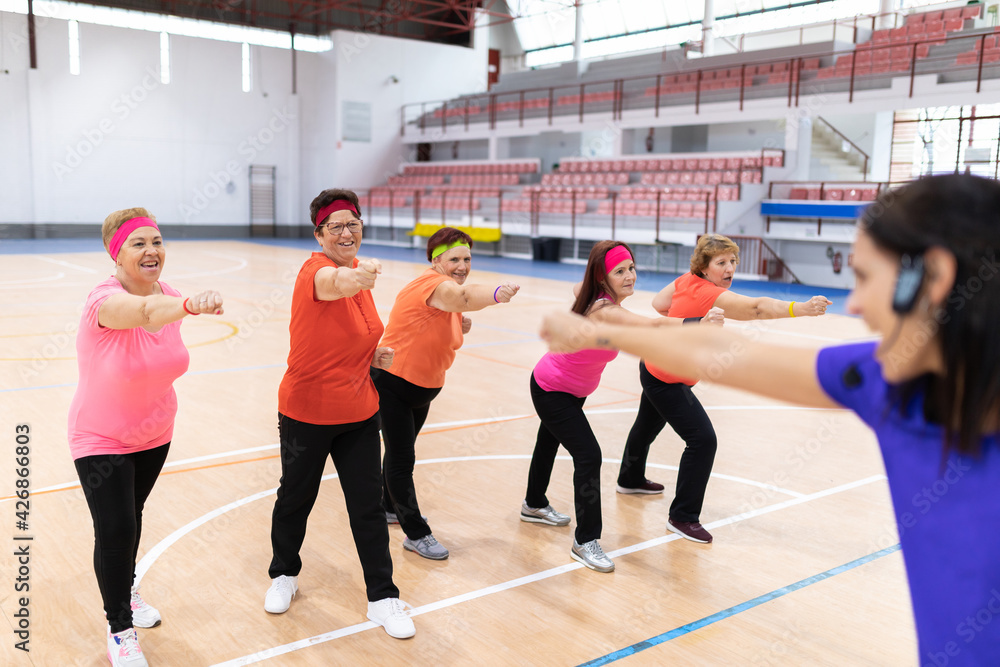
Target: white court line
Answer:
[[31, 281], [532, 578], [85, 269], [147, 561], [466, 422]]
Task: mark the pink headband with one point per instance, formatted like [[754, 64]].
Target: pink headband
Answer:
[[614, 257], [118, 240], [333, 207]]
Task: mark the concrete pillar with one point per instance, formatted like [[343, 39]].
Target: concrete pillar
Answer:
[[878, 165], [798, 146], [885, 9], [578, 40], [707, 26], [294, 211]]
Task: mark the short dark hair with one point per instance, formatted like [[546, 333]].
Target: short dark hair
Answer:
[[593, 276], [958, 213], [446, 236], [328, 197]]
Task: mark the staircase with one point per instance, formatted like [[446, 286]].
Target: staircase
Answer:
[[833, 159]]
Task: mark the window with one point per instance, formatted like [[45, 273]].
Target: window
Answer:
[[246, 67], [164, 58], [74, 48]]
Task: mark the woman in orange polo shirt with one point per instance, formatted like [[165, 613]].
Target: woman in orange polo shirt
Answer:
[[668, 399], [328, 406], [426, 327]]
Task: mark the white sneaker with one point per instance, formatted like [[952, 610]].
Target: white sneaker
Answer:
[[279, 595], [143, 615], [124, 649], [391, 614]]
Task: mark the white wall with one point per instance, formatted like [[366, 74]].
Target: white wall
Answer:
[[74, 148], [362, 66], [752, 135]]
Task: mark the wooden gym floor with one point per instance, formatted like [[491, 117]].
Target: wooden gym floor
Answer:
[[804, 568]]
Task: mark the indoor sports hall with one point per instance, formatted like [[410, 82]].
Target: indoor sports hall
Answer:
[[538, 128]]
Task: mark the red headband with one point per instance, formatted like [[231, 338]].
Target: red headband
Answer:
[[334, 206]]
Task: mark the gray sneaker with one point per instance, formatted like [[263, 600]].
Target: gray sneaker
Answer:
[[545, 515], [592, 555], [393, 520], [427, 547]]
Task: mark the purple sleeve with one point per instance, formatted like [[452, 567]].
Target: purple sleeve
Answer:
[[850, 375]]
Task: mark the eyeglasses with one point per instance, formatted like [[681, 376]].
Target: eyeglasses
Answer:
[[337, 228]]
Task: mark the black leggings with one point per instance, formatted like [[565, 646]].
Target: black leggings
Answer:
[[676, 404], [116, 487], [563, 422], [403, 407], [354, 449]]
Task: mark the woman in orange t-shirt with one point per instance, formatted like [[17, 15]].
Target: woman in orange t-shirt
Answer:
[[327, 406], [426, 327], [669, 399]]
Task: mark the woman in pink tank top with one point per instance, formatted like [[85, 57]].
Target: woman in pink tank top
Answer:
[[560, 385]]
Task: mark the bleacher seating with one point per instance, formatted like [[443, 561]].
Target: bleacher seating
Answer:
[[667, 209], [445, 168], [559, 206], [835, 192], [896, 49]]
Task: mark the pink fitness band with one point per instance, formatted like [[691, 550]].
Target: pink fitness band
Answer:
[[129, 226]]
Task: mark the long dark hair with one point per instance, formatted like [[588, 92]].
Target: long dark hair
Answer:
[[962, 215], [594, 275]]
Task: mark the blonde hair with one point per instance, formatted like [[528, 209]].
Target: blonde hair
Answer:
[[119, 218], [709, 246]]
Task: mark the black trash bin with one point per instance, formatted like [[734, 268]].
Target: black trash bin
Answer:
[[545, 249]]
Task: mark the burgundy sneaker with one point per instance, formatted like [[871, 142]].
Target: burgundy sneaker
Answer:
[[690, 530], [645, 487]]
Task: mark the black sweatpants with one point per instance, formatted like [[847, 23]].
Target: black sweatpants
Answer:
[[563, 422], [355, 450], [676, 404], [116, 487], [403, 407]]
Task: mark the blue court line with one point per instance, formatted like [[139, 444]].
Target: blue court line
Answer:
[[726, 613]]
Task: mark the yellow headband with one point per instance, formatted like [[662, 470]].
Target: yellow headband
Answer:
[[445, 247]]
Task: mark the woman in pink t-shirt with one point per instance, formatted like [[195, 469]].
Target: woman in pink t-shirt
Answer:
[[560, 385], [669, 399], [121, 420]]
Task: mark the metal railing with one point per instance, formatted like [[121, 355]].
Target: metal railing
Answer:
[[857, 149], [615, 96]]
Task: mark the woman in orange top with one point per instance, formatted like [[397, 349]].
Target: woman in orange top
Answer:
[[426, 327], [669, 399], [327, 406]]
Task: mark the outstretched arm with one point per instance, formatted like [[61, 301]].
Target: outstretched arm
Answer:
[[740, 307], [127, 311], [451, 297], [704, 353]]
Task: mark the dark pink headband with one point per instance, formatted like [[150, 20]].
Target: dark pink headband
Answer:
[[614, 257], [333, 207], [118, 240]]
